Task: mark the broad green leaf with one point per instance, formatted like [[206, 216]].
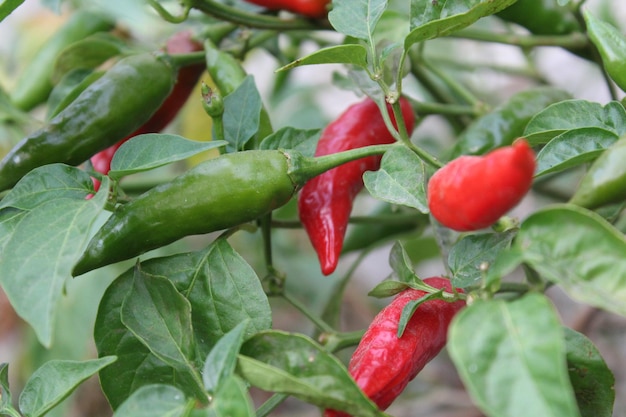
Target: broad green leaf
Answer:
[[155, 400], [48, 182], [350, 54], [401, 179], [578, 250], [223, 291], [6, 401], [222, 360], [611, 44], [294, 364], [593, 381], [54, 381], [574, 114], [471, 256], [505, 123], [231, 400], [39, 248], [160, 317], [302, 140], [356, 18], [511, 358], [8, 6], [572, 148], [242, 114], [153, 150], [434, 19]]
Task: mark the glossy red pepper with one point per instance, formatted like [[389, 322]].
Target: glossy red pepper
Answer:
[[383, 364], [179, 43], [309, 8], [473, 192], [326, 201]]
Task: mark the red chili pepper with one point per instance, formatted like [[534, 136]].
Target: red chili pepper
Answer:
[[383, 364], [473, 192], [325, 202], [310, 8], [179, 43]]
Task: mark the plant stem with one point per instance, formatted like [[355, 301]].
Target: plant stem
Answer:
[[320, 324], [184, 60], [166, 15], [575, 40], [456, 87], [338, 341], [426, 108]]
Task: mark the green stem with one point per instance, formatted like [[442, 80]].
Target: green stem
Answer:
[[572, 41], [320, 324], [266, 232], [426, 108], [456, 87], [253, 20], [184, 60], [268, 406], [165, 14], [338, 341]]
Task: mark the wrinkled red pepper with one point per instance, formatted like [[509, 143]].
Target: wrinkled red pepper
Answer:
[[179, 43], [325, 202], [383, 364], [310, 8], [473, 192]]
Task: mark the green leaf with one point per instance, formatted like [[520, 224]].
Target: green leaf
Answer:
[[401, 179], [153, 150], [578, 250], [593, 381], [294, 364], [301, 140], [411, 307], [434, 19], [155, 400], [231, 400], [574, 114], [511, 358], [350, 54], [504, 264], [401, 264], [6, 401], [46, 183], [221, 362], [8, 6], [611, 44], [242, 114], [40, 247], [505, 123], [223, 291], [572, 148], [54, 381], [356, 18], [160, 317], [470, 257], [388, 288]]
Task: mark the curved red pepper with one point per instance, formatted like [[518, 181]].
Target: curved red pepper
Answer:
[[473, 192], [179, 43], [325, 201], [309, 8], [383, 364]]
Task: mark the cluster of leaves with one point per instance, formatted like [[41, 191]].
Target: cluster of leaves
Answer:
[[186, 334]]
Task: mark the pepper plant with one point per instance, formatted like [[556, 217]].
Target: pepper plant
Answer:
[[178, 213]]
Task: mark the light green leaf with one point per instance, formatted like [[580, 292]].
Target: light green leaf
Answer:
[[350, 54], [6, 401], [611, 44], [356, 18], [578, 250], [301, 140], [511, 358], [221, 362], [153, 150], [156, 400], [401, 263], [54, 381], [231, 400], [401, 179]]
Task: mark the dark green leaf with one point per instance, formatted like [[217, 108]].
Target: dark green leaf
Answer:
[[231, 400], [296, 365], [55, 380], [388, 288], [302, 140], [400, 180], [578, 250], [511, 358], [470, 258], [156, 400], [357, 18], [153, 150], [611, 44], [221, 362], [572, 148], [350, 54], [8, 6], [593, 381], [411, 307], [242, 114]]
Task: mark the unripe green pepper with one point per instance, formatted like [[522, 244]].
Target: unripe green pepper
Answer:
[[105, 112], [217, 194], [35, 83], [605, 181], [611, 44], [541, 17]]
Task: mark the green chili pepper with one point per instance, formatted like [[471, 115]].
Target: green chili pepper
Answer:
[[605, 181], [108, 110], [541, 17], [217, 194], [35, 83], [611, 44]]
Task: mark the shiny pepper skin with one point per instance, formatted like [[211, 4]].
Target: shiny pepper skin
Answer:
[[309, 8], [473, 192], [383, 364], [325, 202], [179, 43]]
